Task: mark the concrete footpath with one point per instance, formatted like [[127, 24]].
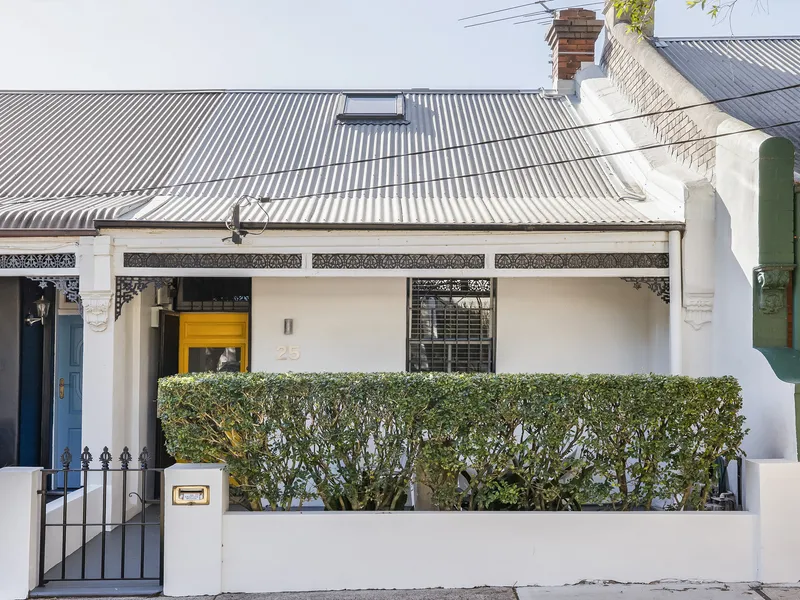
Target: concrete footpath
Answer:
[[589, 591]]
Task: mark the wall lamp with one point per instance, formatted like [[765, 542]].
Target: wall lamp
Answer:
[[42, 310]]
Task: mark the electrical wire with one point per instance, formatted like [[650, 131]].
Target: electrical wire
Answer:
[[500, 10], [550, 13], [536, 165], [229, 222], [465, 145]]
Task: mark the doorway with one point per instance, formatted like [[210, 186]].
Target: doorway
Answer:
[[194, 342], [213, 342], [68, 390]]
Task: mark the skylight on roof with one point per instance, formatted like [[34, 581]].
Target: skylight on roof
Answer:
[[371, 106]]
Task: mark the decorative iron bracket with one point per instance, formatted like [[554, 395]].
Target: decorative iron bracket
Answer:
[[772, 282], [658, 285], [129, 287], [68, 286]]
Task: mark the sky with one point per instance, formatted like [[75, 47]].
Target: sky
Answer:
[[307, 44]]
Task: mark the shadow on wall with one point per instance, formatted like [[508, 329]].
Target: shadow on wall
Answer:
[[768, 402]]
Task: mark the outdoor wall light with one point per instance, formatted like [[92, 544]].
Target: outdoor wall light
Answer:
[[288, 326], [42, 310]]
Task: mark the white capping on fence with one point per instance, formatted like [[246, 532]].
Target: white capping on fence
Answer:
[[19, 531]]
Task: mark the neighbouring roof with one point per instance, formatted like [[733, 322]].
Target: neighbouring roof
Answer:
[[727, 67], [69, 159]]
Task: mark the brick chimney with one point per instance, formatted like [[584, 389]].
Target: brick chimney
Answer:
[[572, 37]]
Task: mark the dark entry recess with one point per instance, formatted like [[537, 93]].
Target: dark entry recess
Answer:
[[167, 365]]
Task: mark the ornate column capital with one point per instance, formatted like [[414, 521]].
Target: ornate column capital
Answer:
[[698, 309], [96, 307], [772, 282]]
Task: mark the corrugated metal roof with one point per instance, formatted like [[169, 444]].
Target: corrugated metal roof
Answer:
[[55, 145], [726, 67], [70, 214], [266, 132]]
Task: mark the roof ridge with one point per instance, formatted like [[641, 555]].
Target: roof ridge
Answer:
[[725, 38], [284, 91]]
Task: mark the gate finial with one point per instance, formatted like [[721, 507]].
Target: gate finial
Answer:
[[144, 457], [66, 458], [105, 458], [125, 458], [86, 458]]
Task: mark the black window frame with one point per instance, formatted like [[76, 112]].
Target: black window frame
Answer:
[[234, 304], [415, 340]]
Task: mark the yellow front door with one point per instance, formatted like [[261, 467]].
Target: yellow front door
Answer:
[[213, 342]]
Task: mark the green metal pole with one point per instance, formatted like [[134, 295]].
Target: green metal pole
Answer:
[[796, 309]]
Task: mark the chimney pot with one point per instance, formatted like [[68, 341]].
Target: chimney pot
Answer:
[[572, 37]]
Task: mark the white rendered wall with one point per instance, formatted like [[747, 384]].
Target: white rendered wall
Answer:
[[597, 325], [470, 549], [142, 363], [768, 402], [354, 324]]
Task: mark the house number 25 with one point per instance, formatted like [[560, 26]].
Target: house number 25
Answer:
[[288, 352]]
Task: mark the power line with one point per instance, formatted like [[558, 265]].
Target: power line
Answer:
[[494, 12], [543, 14], [537, 21], [536, 165], [343, 163], [548, 12]]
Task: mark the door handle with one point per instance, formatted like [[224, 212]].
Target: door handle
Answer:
[[61, 388]]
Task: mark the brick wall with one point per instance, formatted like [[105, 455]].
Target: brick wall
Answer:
[[572, 37], [647, 95]]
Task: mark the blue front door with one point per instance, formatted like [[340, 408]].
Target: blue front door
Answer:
[[68, 392]]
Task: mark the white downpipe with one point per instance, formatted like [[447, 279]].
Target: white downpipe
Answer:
[[675, 304]]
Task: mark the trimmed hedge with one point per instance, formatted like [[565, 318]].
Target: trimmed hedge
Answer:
[[480, 442]]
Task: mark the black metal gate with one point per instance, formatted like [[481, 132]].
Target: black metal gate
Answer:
[[113, 532]]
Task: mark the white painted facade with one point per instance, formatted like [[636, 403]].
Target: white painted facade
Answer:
[[580, 326], [354, 324], [547, 320], [719, 244]]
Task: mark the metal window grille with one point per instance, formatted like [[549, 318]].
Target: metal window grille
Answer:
[[451, 325], [213, 294]]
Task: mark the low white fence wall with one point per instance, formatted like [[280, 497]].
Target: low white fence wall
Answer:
[[320, 551], [209, 550]]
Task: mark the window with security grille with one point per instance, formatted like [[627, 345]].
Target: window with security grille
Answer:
[[213, 294], [451, 325]]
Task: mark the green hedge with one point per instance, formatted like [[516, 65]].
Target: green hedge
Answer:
[[480, 442]]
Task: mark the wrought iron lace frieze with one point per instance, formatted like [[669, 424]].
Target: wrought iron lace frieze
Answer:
[[398, 261], [157, 260], [37, 261], [644, 260]]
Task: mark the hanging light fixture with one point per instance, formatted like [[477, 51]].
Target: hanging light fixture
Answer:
[[42, 307]]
